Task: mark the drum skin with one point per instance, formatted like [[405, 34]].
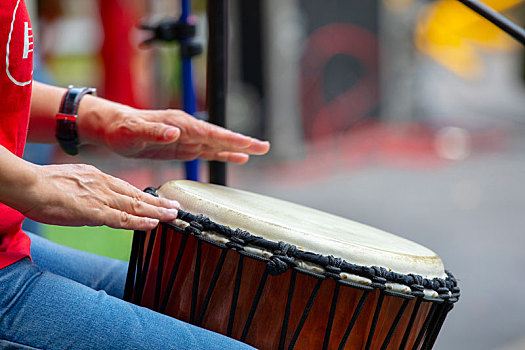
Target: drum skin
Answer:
[[307, 228], [265, 329]]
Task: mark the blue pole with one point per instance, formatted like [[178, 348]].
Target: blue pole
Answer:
[[188, 90]]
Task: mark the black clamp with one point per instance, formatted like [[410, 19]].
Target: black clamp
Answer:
[[174, 30]]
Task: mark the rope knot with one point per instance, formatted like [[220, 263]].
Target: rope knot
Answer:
[[282, 258], [237, 239], [204, 221], [194, 228], [276, 265], [239, 236], [285, 249], [416, 280], [333, 268]]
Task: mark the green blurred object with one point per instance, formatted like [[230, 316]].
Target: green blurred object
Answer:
[[81, 70], [99, 240]]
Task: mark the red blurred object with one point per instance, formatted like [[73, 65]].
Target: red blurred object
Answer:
[[118, 19]]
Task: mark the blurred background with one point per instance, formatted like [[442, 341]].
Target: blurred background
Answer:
[[405, 115]]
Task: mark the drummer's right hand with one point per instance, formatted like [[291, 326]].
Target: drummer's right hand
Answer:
[[82, 195]]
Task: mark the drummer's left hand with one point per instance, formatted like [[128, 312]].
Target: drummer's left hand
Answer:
[[165, 134]]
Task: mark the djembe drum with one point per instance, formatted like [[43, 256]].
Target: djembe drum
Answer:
[[278, 275]]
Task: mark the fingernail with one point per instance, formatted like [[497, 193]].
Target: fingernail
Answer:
[[174, 204], [244, 137], [153, 221], [173, 212], [170, 133]]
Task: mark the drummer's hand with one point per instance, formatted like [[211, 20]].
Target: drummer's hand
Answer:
[[164, 134], [78, 195]]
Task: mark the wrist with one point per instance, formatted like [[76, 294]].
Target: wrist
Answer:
[[90, 121], [94, 116], [17, 179]]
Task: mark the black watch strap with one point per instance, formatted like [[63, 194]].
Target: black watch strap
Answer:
[[66, 119]]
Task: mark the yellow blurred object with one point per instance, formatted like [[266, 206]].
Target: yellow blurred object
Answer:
[[452, 34]]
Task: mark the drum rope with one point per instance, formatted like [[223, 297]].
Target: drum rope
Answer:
[[291, 290], [173, 275], [255, 303], [423, 329], [374, 320], [282, 258], [235, 297], [410, 324], [212, 285], [132, 267], [392, 329], [141, 263], [331, 316], [196, 278], [353, 320], [306, 311], [160, 271], [431, 339], [285, 256], [139, 285], [427, 343]]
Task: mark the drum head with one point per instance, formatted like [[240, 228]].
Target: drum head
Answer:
[[309, 229]]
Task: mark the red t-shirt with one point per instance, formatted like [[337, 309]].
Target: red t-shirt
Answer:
[[16, 76]]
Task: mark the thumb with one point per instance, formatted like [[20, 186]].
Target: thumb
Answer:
[[159, 132]]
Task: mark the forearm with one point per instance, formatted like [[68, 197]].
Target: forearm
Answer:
[[45, 103], [162, 134], [77, 195], [16, 177]]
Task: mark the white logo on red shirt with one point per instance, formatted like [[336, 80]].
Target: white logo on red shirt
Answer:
[[16, 53], [28, 40]]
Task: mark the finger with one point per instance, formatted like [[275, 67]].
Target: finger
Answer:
[[219, 138], [158, 132], [214, 137], [119, 219], [140, 129], [159, 202], [137, 207], [231, 157], [226, 140], [121, 187], [258, 147]]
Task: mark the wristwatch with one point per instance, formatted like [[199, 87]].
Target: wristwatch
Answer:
[[66, 118]]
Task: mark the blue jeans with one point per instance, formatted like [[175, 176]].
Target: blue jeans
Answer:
[[67, 299]]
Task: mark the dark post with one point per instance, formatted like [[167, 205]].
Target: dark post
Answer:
[[217, 75]]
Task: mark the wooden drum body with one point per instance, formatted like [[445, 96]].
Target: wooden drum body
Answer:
[[263, 271]]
